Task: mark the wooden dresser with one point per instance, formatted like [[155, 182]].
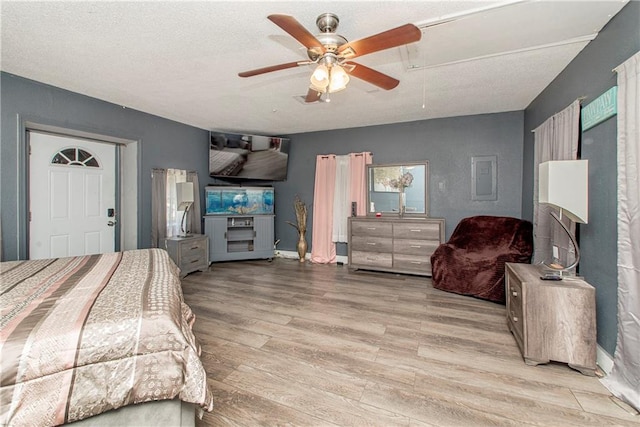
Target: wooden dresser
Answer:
[[399, 245], [551, 320]]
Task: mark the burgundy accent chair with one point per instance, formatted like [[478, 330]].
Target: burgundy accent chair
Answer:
[[472, 261]]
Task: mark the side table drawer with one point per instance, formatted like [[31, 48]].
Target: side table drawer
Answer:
[[193, 245], [516, 320], [192, 260]]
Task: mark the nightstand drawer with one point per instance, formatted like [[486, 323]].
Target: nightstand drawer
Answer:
[[193, 245], [191, 258]]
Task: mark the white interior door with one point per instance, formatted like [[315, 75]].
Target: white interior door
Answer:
[[71, 193]]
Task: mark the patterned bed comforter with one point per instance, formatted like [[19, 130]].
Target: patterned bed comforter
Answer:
[[83, 335]]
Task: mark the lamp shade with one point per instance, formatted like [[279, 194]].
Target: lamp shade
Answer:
[[184, 195], [339, 79], [320, 77], [565, 185]]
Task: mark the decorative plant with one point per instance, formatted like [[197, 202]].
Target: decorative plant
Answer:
[[301, 216], [403, 181]]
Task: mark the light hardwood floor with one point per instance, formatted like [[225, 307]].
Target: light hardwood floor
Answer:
[[298, 344]]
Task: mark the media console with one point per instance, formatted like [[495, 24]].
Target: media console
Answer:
[[240, 237]]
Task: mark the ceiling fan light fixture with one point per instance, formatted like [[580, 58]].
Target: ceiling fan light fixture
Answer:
[[320, 77], [338, 79]]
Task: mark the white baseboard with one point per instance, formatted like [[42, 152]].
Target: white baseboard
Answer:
[[604, 360], [294, 255]]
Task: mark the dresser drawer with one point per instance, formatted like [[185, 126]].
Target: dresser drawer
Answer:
[[418, 231], [371, 228], [371, 244], [414, 247], [371, 259], [412, 263]]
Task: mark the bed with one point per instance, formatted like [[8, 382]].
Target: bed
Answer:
[[83, 336]]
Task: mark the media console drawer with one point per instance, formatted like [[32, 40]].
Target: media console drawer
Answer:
[[399, 245]]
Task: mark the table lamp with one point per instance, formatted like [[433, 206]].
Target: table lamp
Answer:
[[184, 195], [564, 184]]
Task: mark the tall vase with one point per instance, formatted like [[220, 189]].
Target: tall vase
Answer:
[[302, 247], [401, 203]]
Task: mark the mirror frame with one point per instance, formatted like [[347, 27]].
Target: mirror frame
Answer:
[[371, 172]]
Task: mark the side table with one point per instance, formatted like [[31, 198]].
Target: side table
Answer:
[[551, 320], [190, 253]]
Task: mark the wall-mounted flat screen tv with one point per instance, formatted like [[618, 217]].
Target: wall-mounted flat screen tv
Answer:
[[250, 157]]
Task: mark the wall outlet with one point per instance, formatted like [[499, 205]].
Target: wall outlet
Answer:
[[556, 254]]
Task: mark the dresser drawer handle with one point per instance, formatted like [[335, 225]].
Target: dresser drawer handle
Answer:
[[416, 246], [371, 243], [416, 231], [416, 262], [195, 261], [514, 318], [195, 247], [371, 228], [514, 293]]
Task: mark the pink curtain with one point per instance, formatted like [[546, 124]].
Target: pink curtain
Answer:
[[323, 250], [358, 189]]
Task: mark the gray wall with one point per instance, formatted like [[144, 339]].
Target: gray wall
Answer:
[[590, 75], [162, 143], [448, 144]]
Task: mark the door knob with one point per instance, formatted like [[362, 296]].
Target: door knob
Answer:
[[111, 223]]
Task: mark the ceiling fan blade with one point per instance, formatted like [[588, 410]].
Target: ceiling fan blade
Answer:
[[312, 95], [407, 33], [297, 31], [273, 68], [370, 75]]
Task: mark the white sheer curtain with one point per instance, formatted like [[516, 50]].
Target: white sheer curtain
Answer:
[[624, 380], [555, 139], [341, 200]]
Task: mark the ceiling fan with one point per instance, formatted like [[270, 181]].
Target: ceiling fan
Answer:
[[334, 54]]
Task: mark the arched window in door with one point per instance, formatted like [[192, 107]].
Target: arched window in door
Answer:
[[75, 156]]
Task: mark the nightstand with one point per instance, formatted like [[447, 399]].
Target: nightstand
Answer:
[[190, 253], [551, 320]]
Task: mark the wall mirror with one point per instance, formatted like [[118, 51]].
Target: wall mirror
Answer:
[[398, 189]]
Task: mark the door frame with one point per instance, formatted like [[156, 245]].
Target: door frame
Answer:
[[127, 180]]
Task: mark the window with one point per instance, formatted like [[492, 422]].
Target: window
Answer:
[[75, 157]]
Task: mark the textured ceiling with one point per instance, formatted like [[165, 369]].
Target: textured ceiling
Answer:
[[180, 60]]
